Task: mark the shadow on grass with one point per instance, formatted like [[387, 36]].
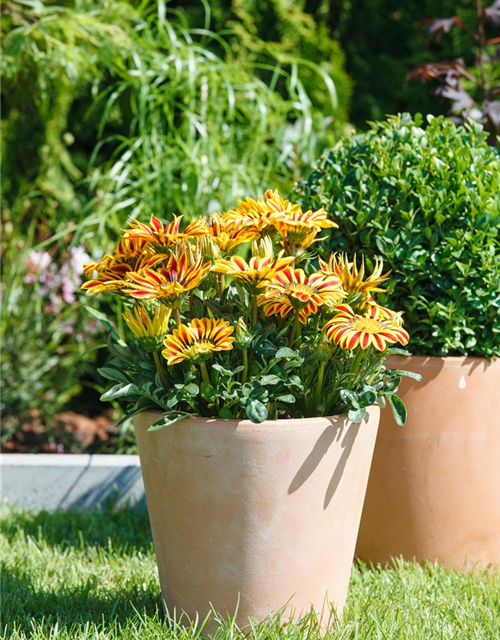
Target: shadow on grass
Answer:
[[126, 528], [104, 535], [23, 604]]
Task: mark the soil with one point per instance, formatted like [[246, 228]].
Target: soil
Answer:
[[67, 432]]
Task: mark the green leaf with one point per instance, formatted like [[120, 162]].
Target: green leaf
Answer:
[[408, 374], [367, 398], [207, 391], [350, 398], [396, 351], [287, 397], [270, 379], [168, 420], [357, 415], [191, 389], [286, 352], [398, 409], [392, 385], [113, 374], [256, 411], [226, 413], [120, 391]]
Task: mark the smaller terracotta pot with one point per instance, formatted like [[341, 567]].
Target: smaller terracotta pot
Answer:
[[263, 516], [434, 488]]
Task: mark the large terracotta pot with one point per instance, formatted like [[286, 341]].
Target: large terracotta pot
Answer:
[[434, 488], [264, 514]]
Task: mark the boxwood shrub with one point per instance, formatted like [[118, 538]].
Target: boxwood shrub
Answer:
[[426, 200]]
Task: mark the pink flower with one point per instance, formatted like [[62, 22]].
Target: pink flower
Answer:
[[37, 262]]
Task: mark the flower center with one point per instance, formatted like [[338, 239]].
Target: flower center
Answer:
[[299, 289], [299, 294], [368, 325], [198, 349]]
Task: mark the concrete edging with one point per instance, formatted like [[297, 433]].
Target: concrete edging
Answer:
[[37, 481]]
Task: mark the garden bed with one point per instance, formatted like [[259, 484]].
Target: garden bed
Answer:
[[67, 432]]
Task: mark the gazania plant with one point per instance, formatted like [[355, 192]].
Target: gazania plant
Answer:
[[234, 316]]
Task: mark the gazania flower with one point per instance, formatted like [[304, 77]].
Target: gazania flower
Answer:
[[128, 251], [113, 270], [198, 340], [169, 284], [224, 232], [376, 311], [160, 236], [350, 330], [251, 273], [253, 213], [296, 226], [291, 290], [353, 279], [149, 330]]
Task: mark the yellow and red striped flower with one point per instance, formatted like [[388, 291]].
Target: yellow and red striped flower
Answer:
[[253, 272], [376, 311], [254, 213], [169, 284], [127, 251], [349, 330], [292, 290], [113, 271], [196, 341], [149, 329], [296, 227], [353, 279], [225, 233], [157, 234]]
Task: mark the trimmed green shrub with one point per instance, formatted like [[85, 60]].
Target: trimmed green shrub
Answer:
[[428, 202]]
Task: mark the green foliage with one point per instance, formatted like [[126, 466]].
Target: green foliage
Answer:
[[129, 110], [135, 110], [266, 31], [282, 383], [45, 336], [382, 43], [427, 201]]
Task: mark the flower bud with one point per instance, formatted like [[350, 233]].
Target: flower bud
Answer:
[[243, 336], [262, 248], [208, 248]]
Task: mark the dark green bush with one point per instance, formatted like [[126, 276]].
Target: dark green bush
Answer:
[[428, 202]]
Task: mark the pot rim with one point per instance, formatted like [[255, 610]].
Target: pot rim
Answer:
[[453, 360], [219, 423]]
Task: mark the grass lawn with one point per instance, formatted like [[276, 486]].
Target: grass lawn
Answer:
[[93, 575]]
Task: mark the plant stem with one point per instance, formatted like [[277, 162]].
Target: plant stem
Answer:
[[244, 373], [191, 309], [119, 319], [204, 373], [319, 385], [159, 367], [177, 314], [254, 310], [293, 332]]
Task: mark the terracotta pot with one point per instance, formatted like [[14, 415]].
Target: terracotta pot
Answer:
[[434, 488], [267, 514]]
